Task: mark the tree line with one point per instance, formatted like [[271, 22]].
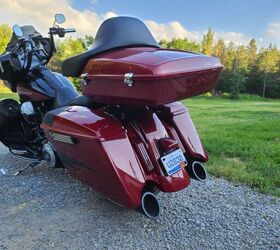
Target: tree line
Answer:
[[247, 69]]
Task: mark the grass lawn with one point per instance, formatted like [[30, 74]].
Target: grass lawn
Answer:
[[242, 138], [7, 95]]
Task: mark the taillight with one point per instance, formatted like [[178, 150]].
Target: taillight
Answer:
[[167, 145]]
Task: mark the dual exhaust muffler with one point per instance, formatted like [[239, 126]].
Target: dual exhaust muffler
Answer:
[[149, 203], [197, 171]]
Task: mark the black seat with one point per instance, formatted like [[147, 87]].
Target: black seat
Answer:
[[113, 33]]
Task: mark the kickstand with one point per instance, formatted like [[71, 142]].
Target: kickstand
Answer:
[[31, 165]]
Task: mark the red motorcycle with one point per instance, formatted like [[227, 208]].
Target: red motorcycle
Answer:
[[126, 136]]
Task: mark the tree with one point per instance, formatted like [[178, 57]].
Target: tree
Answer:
[[252, 52], [268, 62], [183, 44], [253, 76], [236, 80], [87, 41], [5, 35], [242, 58], [230, 55], [163, 43], [208, 42], [226, 53], [220, 50], [65, 49]]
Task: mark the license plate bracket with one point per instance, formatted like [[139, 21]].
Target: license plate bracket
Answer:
[[173, 162]]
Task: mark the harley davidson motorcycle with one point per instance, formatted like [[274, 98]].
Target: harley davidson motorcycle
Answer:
[[126, 135]]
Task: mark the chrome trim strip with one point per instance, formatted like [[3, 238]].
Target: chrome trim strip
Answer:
[[62, 138]]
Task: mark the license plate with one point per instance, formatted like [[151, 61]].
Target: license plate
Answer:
[[174, 161]]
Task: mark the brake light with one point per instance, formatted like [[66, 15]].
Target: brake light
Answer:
[[167, 144]]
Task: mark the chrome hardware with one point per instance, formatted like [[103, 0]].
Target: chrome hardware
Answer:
[[27, 108], [1, 67], [128, 79], [85, 79], [62, 138]]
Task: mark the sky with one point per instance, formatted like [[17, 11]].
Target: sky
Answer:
[[232, 20]]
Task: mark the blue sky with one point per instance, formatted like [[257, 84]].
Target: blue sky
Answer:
[[250, 17], [232, 20]]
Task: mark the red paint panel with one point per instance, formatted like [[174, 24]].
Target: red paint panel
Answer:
[[151, 130], [27, 94], [160, 76], [104, 155], [180, 119], [82, 122]]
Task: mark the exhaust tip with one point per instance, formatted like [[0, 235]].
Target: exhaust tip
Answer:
[[197, 171], [150, 205]]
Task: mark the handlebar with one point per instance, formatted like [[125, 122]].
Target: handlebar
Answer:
[[27, 46], [60, 31], [69, 30]]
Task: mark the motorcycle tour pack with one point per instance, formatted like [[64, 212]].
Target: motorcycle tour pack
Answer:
[[126, 135]]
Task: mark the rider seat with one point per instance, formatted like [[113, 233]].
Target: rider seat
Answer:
[[117, 32]]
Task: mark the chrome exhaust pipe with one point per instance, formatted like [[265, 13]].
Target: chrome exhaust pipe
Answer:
[[150, 205], [197, 171]]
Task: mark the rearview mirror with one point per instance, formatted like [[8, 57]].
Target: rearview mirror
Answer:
[[17, 31], [59, 18]]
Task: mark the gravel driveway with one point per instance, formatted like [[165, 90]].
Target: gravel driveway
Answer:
[[45, 209]]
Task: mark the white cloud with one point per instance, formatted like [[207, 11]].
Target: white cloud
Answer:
[[273, 30], [109, 14], [176, 30], [236, 37], [170, 30], [41, 15]]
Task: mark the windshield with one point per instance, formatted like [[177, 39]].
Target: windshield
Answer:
[[27, 30]]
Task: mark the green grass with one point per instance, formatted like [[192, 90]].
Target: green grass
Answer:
[[8, 95], [242, 138]]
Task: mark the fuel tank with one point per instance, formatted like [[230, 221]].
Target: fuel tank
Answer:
[[119, 153], [44, 85]]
